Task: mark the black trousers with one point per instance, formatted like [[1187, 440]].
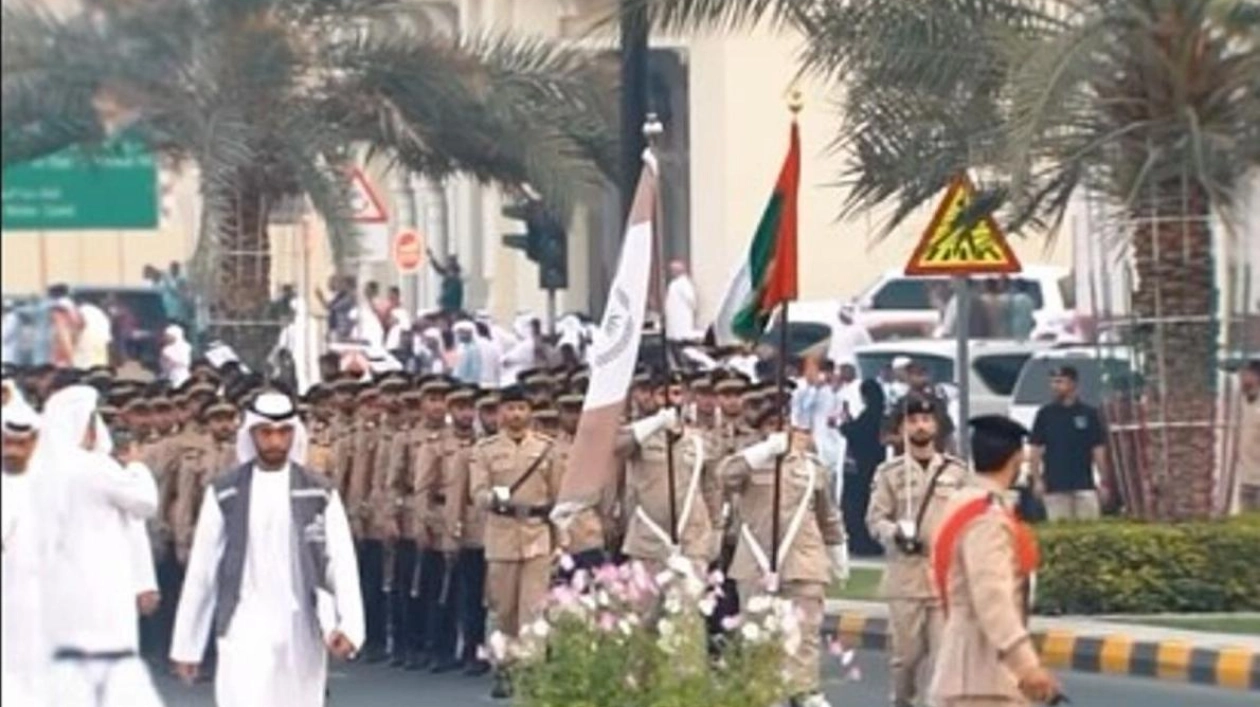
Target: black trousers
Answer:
[[372, 587], [437, 600], [728, 603], [405, 619], [853, 503], [472, 600], [156, 630], [588, 560]]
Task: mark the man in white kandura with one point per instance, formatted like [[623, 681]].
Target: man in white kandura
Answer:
[[23, 657], [92, 503], [272, 569]]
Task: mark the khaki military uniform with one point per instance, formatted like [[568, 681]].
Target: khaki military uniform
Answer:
[[647, 500], [343, 440], [985, 643], [518, 534], [471, 565], [809, 523], [198, 465], [585, 535], [915, 619], [319, 453]]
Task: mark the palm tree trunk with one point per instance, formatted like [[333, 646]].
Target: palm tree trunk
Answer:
[[1176, 339], [240, 270]]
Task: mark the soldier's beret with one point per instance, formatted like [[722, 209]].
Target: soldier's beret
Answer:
[[513, 394], [435, 384], [135, 403], [461, 394], [915, 404], [218, 407], [569, 400], [535, 377], [487, 398]]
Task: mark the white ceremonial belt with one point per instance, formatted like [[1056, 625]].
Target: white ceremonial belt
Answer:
[[793, 529]]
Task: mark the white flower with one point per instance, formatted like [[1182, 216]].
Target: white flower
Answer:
[[708, 605], [540, 628], [759, 604], [602, 598], [680, 565], [666, 628], [624, 626], [751, 632]]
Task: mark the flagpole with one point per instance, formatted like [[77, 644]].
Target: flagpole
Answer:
[[652, 130], [794, 104]]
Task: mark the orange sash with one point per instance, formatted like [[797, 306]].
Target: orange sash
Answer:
[[1027, 556]]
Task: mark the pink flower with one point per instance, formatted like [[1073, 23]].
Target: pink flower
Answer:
[[855, 675], [730, 623], [607, 622], [716, 578], [564, 596]]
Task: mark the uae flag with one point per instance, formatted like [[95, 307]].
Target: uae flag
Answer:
[[767, 277], [614, 352]]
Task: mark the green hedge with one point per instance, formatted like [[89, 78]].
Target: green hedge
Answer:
[[1123, 567]]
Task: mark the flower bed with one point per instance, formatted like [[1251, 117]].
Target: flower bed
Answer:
[[622, 636]]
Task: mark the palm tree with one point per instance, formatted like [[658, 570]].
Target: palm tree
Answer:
[[1152, 104], [271, 99]]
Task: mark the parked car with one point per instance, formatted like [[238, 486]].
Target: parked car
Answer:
[[1099, 369], [995, 366], [907, 306]]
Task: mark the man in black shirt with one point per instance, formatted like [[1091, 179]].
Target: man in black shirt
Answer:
[[1068, 441]]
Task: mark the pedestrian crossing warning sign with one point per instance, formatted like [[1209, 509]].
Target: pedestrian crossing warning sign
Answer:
[[946, 249]]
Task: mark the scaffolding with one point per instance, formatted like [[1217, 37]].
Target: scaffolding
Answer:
[[1157, 415]]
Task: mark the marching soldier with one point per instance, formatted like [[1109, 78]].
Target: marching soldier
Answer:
[[434, 627], [908, 495], [539, 386], [583, 536], [488, 413], [647, 445], [515, 477], [472, 553], [811, 542], [344, 392], [370, 545], [457, 445], [982, 559], [380, 525], [198, 465], [547, 420], [319, 454], [399, 480]]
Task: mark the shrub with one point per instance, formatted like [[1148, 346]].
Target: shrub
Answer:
[[1125, 567], [593, 647]]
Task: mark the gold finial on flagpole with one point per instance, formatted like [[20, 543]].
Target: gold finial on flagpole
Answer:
[[795, 98]]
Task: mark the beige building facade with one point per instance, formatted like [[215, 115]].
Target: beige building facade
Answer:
[[736, 136]]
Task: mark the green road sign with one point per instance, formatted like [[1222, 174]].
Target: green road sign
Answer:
[[110, 187]]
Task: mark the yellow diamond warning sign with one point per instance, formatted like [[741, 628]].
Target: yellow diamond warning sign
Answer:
[[948, 250]]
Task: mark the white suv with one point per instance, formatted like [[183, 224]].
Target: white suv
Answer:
[[904, 306]]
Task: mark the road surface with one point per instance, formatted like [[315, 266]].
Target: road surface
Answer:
[[378, 686]]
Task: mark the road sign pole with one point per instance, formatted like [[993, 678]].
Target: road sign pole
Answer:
[[551, 311], [962, 327]]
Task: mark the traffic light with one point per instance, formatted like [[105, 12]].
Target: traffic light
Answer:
[[545, 242]]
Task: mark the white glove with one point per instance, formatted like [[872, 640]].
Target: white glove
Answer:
[[762, 454], [839, 562], [563, 515], [502, 494], [648, 426]]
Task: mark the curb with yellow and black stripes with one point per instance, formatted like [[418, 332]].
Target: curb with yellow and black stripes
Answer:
[[1237, 668]]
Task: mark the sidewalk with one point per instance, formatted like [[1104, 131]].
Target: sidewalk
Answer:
[[1092, 645]]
